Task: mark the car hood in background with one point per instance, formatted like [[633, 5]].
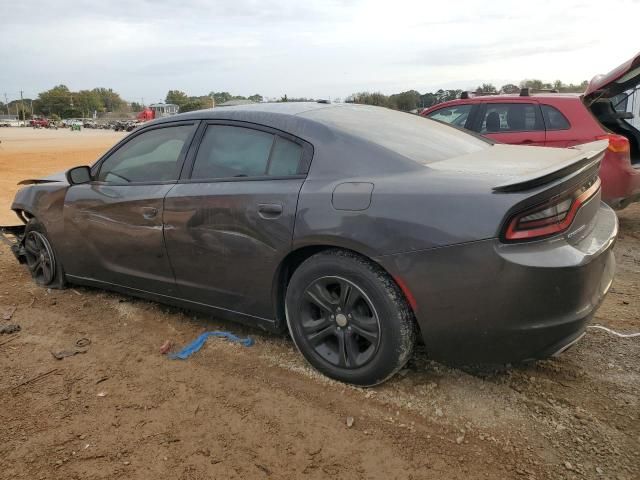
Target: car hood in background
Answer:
[[618, 80]]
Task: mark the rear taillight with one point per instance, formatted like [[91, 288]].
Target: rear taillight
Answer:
[[617, 143], [551, 217]]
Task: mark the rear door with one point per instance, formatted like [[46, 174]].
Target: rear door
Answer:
[[229, 222], [516, 123], [113, 225]]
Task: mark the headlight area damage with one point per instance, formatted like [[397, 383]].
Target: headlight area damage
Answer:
[[14, 236]]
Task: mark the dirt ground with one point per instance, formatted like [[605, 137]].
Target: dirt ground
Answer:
[[123, 410]]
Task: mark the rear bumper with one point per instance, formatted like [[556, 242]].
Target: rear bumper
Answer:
[[620, 182], [12, 236], [487, 302]]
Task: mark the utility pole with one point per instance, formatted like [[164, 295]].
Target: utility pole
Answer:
[[6, 102], [213, 102], [22, 106]]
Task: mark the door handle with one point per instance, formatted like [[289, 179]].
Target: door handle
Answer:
[[269, 210], [526, 142], [149, 213]]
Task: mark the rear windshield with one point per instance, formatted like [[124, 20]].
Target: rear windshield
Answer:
[[417, 138]]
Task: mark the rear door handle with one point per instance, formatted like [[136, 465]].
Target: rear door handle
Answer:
[[149, 213], [269, 210], [526, 142]]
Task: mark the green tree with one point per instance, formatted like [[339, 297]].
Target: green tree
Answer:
[[535, 84], [405, 101], [195, 104], [428, 100], [486, 88], [256, 98], [176, 97], [510, 88], [20, 108], [368, 98], [136, 107], [111, 101], [56, 100], [446, 95], [220, 97], [88, 101]]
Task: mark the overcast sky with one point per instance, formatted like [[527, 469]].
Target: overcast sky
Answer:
[[319, 49]]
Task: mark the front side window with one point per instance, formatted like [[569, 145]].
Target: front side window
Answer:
[[230, 151], [152, 156], [554, 119], [511, 117], [456, 115]]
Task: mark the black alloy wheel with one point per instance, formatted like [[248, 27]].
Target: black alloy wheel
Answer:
[[348, 317], [40, 257], [340, 323]]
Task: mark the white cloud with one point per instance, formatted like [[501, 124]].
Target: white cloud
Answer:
[[313, 48]]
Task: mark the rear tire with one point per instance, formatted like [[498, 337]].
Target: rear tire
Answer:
[[349, 319], [42, 261]]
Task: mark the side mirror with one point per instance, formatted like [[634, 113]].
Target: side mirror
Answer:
[[79, 175]]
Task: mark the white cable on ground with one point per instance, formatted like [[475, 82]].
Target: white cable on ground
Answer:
[[613, 332]]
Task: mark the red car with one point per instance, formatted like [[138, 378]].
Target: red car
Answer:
[[39, 123], [563, 120]]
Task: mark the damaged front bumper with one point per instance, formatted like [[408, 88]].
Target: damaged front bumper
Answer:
[[13, 236]]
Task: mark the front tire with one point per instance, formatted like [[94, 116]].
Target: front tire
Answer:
[[43, 264], [349, 319]]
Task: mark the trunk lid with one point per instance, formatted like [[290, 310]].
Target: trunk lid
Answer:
[[618, 80], [516, 168]]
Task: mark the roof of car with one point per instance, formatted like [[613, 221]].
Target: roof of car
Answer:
[[286, 108], [547, 96], [399, 133]]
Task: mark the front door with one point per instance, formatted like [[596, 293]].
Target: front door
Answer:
[[113, 225], [230, 223], [516, 123]]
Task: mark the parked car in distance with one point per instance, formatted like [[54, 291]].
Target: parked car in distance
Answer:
[[562, 120], [355, 227], [41, 122]]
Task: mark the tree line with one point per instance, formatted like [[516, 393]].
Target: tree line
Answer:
[[189, 103], [60, 102], [413, 100]]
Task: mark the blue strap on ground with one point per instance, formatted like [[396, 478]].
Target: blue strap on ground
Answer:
[[197, 344]]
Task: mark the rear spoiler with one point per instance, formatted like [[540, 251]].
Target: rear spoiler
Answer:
[[590, 154]]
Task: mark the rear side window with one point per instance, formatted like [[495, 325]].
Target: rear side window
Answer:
[[511, 117], [412, 136], [554, 119], [285, 158], [456, 115], [230, 151]]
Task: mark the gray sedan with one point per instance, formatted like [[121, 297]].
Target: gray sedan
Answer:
[[359, 229]]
